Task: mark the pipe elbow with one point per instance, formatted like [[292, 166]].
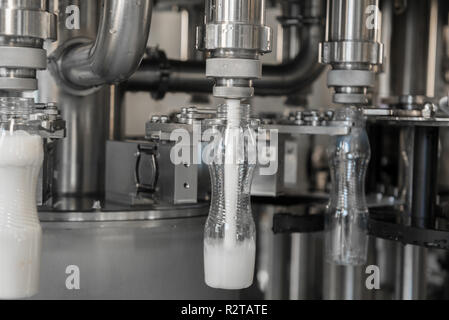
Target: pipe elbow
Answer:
[[296, 74], [118, 49]]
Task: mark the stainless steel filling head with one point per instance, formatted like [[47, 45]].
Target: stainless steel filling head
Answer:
[[24, 25], [352, 47], [234, 35], [235, 25], [352, 33]]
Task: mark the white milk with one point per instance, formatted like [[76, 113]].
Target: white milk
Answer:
[[231, 170], [229, 268], [21, 157]]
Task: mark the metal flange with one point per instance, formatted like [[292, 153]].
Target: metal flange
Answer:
[[351, 52], [24, 25], [21, 57], [233, 68], [18, 84], [352, 78]]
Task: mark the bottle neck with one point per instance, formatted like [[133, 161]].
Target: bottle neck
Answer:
[[351, 113], [234, 112], [15, 114], [15, 108]]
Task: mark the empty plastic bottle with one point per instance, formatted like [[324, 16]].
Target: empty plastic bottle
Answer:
[[347, 213]]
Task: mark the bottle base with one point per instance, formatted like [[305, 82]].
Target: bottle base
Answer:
[[230, 268]]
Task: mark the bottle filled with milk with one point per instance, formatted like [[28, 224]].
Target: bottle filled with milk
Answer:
[[21, 156], [230, 236]]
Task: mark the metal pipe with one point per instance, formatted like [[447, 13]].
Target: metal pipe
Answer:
[[425, 165], [409, 52], [188, 76], [288, 78], [411, 275], [348, 20], [195, 17], [290, 11], [80, 157], [384, 78], [290, 44], [118, 49]]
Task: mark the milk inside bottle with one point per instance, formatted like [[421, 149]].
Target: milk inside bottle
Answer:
[[21, 156]]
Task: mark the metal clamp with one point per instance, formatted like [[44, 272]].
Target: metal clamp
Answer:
[[49, 121], [164, 67], [143, 186], [424, 116], [312, 122]]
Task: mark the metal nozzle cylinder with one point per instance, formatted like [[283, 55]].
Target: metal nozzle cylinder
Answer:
[[246, 11], [348, 21], [352, 34], [24, 25], [352, 48], [235, 36]]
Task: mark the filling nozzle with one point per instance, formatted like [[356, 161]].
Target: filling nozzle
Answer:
[[355, 53], [234, 57]]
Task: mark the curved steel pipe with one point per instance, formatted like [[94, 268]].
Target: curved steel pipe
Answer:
[[160, 77], [118, 50], [291, 77], [188, 76]]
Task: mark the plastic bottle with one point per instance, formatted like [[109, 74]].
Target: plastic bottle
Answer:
[[347, 213], [21, 156], [230, 236]]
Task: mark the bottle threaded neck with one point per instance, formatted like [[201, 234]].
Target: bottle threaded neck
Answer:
[[244, 111], [353, 114], [15, 107]]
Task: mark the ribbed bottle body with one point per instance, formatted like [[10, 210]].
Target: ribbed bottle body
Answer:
[[21, 157], [346, 220], [230, 232]]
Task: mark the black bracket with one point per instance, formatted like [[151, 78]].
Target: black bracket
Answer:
[[378, 226]]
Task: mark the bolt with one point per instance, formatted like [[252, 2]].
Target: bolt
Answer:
[[52, 105], [428, 110], [96, 205], [312, 117], [191, 109]]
